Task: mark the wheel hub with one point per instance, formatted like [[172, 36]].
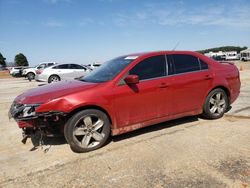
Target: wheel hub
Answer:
[[217, 103], [88, 132]]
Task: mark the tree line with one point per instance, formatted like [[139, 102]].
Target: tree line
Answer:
[[20, 60], [223, 49]]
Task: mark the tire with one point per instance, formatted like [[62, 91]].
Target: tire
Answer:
[[54, 78], [87, 130], [31, 76], [216, 104]]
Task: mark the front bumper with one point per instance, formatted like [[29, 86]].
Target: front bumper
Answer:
[[24, 119], [48, 124]]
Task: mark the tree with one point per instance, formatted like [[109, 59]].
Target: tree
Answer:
[[21, 60], [224, 49], [2, 60]]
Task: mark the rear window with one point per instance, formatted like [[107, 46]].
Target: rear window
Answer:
[[64, 66], [203, 65], [185, 63], [75, 66]]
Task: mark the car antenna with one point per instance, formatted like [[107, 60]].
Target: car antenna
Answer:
[[177, 44]]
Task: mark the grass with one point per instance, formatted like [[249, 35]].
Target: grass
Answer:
[[5, 74]]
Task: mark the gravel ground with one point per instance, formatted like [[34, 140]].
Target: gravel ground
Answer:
[[188, 152]]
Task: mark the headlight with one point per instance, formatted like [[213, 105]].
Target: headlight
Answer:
[[29, 110], [20, 111]]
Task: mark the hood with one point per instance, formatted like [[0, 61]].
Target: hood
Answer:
[[48, 92], [30, 68]]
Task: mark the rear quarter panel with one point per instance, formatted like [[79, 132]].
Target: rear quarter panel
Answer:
[[227, 75]]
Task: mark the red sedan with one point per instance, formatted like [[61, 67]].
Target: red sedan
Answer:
[[127, 93]]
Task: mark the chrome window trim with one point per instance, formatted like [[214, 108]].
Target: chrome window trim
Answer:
[[166, 61], [176, 74], [120, 83]]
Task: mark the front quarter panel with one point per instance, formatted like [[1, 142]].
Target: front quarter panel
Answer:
[[92, 97]]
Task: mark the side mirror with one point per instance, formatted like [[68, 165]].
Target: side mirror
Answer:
[[132, 79]]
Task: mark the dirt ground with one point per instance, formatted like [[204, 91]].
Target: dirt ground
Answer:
[[4, 74], [188, 152]]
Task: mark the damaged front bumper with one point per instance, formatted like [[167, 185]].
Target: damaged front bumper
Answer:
[[27, 113], [31, 122]]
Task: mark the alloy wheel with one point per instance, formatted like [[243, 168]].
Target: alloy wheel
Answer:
[[88, 131], [54, 79], [217, 103]]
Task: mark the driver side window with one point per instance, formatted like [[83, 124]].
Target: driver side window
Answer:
[[149, 68]]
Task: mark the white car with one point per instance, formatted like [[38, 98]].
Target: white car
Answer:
[[30, 73], [16, 71], [59, 72], [94, 65]]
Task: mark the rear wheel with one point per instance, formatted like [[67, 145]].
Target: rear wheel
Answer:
[[216, 104], [87, 130], [54, 78]]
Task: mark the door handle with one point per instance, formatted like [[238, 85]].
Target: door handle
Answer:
[[208, 77], [163, 85]]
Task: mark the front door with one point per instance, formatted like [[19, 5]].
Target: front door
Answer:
[[141, 102]]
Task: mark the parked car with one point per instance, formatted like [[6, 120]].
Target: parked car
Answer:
[[30, 73], [60, 72], [16, 71], [245, 55], [94, 65], [219, 58], [128, 93]]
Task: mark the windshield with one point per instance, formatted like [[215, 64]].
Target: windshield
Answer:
[[41, 66], [107, 71]]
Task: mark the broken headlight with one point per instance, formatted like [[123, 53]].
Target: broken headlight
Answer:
[[19, 111], [29, 110]]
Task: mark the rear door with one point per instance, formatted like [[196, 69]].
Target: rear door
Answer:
[[62, 71], [78, 70], [191, 79]]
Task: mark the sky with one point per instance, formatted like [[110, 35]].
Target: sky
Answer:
[[85, 31]]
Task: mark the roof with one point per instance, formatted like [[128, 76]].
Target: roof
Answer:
[[161, 52], [247, 50]]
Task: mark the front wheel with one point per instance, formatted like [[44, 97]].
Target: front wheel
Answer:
[[87, 130], [31, 76], [216, 104]]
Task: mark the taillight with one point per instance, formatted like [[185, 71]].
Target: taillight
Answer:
[[39, 71]]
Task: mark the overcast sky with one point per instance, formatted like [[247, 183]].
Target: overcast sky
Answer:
[[84, 31]]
